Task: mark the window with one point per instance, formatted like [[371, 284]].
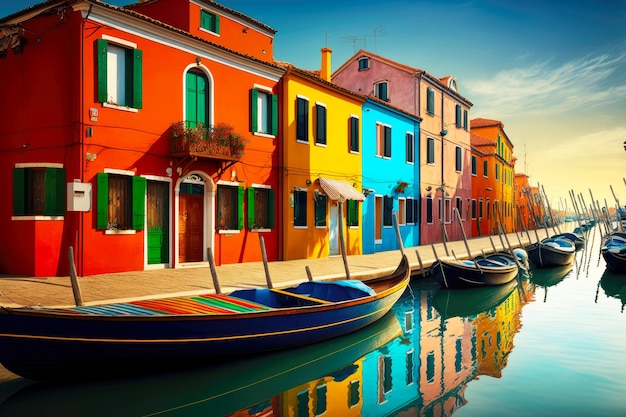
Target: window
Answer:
[[430, 101], [459, 159], [412, 210], [474, 162], [459, 206], [488, 208], [260, 207], [354, 134], [480, 208], [353, 213], [429, 210], [229, 207], [120, 202], [320, 124], [448, 210], [465, 117], [409, 367], [264, 109], [364, 63], [497, 172], [378, 210], [473, 209], [39, 191], [410, 148], [119, 74], [302, 119], [380, 90], [401, 211], [354, 393], [299, 207], [383, 140], [430, 151], [485, 169], [196, 98], [458, 119], [321, 209], [209, 21], [387, 211]]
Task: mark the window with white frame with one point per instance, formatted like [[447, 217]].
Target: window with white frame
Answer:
[[320, 124], [410, 147], [381, 90], [120, 201], [264, 110], [229, 208], [401, 211], [119, 71], [260, 207]]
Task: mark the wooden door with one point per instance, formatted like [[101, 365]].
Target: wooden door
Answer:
[[191, 224], [157, 222]]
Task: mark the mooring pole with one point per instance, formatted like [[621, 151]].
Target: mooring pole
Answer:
[[78, 298]]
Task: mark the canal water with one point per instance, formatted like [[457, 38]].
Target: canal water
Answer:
[[549, 344]]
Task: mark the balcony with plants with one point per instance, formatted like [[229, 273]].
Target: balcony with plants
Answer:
[[219, 142]]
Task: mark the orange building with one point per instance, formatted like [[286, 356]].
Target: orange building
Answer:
[[493, 179], [140, 136]]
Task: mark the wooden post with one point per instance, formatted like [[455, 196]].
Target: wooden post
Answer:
[[265, 265], [308, 273], [341, 239], [419, 259], [78, 298], [216, 283], [398, 235]]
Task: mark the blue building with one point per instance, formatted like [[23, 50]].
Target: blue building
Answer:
[[391, 178]]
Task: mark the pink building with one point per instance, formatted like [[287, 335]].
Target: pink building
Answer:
[[444, 143]]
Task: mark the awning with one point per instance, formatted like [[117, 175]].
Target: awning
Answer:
[[337, 190]]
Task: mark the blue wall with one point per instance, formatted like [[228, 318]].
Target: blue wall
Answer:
[[383, 174]]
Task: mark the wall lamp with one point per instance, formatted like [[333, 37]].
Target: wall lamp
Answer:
[[308, 182]]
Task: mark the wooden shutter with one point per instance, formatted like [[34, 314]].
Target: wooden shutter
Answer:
[[274, 114], [251, 191], [320, 124], [101, 56], [254, 111], [19, 208], [55, 192], [387, 141], [139, 203], [458, 116], [270, 208], [102, 200], [354, 134], [137, 92], [217, 23], [430, 101], [241, 192]]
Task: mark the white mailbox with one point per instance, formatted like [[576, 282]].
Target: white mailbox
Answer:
[[78, 196]]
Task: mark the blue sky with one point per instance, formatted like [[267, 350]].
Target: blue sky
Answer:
[[553, 72]]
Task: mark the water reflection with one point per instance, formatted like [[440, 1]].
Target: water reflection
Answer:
[[420, 360]]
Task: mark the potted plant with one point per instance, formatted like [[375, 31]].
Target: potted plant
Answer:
[[401, 186]]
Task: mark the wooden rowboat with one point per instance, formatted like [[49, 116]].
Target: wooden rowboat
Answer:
[[45, 343], [551, 252], [480, 272]]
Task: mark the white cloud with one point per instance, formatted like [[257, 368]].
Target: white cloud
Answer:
[[546, 89]]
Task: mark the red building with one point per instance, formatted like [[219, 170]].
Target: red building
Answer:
[[140, 136]]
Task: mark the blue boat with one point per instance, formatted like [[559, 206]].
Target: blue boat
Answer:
[[52, 343], [614, 251]]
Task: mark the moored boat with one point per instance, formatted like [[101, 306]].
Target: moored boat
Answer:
[[43, 343], [614, 251], [471, 301], [480, 272], [551, 252]]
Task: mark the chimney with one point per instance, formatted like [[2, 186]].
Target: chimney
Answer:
[[325, 71]]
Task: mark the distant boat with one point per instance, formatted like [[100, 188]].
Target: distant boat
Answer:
[[471, 301], [551, 252], [48, 343], [480, 272]]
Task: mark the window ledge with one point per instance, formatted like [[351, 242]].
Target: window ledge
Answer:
[[260, 230], [304, 142], [36, 218], [228, 232], [118, 107], [264, 135], [119, 232]]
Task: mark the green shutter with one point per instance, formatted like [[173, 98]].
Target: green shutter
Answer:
[[241, 195], [102, 202], [274, 114], [270, 208], [18, 191], [254, 110], [139, 203], [101, 56], [137, 79], [191, 111], [205, 20], [250, 207], [55, 192], [217, 24]]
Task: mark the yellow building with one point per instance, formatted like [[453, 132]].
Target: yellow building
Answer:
[[321, 165], [499, 168]]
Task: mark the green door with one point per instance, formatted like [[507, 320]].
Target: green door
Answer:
[[158, 214]]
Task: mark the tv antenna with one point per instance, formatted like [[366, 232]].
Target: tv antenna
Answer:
[[354, 40]]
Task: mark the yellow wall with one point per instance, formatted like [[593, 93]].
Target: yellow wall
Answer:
[[308, 161]]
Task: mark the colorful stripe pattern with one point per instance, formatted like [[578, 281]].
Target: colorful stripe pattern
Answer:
[[197, 304]]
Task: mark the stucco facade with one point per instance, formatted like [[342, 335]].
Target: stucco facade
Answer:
[[444, 144]]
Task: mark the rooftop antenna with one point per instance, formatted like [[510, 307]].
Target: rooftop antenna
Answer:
[[378, 31], [354, 40]]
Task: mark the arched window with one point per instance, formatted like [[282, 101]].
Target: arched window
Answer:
[[196, 98]]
